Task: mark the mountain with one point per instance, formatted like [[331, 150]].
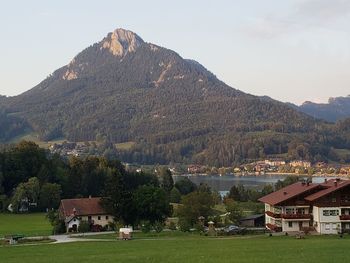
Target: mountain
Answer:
[[336, 109], [123, 89]]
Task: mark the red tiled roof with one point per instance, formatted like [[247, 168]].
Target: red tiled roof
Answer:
[[82, 206], [287, 193], [332, 186]]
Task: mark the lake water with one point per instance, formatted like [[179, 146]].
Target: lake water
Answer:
[[223, 184]]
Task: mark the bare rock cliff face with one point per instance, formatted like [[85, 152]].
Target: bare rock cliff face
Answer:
[[121, 41]]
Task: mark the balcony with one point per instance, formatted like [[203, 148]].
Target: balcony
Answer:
[[344, 217], [296, 216], [274, 228], [272, 214]]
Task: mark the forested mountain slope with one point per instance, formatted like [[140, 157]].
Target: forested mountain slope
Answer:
[[123, 89]]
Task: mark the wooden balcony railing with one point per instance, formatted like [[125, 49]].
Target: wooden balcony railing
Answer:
[[344, 217], [274, 228], [272, 214], [296, 216]]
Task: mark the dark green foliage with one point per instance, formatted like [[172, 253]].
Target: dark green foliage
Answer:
[[185, 186], [11, 126], [50, 196], [235, 211], [194, 205], [132, 197], [84, 226], [151, 204], [146, 226], [59, 226], [175, 195], [287, 181], [167, 182], [241, 194], [158, 226]]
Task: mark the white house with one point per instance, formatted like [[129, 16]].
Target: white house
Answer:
[[73, 211]]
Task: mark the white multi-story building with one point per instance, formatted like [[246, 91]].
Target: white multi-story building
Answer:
[[324, 208]]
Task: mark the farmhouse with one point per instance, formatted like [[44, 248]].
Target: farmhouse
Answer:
[[322, 207], [73, 211]]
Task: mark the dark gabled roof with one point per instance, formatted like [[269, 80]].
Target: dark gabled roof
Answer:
[[82, 207], [331, 186], [288, 192], [252, 217]]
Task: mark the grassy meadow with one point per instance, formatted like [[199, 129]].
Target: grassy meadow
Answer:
[[27, 224], [197, 249]]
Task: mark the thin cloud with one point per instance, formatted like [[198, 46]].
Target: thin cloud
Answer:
[[305, 15]]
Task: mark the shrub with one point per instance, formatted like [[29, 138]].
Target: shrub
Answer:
[[146, 227], [59, 228], [158, 226], [84, 227], [172, 226], [184, 225]]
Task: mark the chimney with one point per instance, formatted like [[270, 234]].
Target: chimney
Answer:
[[89, 196], [335, 183], [74, 211], [325, 180], [285, 193]]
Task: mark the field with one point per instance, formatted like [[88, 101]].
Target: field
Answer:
[[180, 249], [26, 224]]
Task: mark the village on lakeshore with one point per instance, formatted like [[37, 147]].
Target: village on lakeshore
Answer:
[[270, 167]]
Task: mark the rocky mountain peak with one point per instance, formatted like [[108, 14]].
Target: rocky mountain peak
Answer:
[[121, 41]]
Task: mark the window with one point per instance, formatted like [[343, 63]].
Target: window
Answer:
[[330, 212], [289, 211], [334, 226], [334, 212], [327, 226], [99, 218], [106, 217], [334, 199], [290, 224], [89, 217]]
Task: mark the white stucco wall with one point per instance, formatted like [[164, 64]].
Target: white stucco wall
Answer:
[[327, 224], [294, 227]]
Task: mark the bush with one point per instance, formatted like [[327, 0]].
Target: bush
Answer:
[[59, 228], [146, 227], [158, 226], [84, 227], [172, 226], [199, 227], [184, 225], [112, 226]]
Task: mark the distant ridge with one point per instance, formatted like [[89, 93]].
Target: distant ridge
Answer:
[[336, 109]]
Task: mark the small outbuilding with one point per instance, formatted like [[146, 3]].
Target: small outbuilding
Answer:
[[257, 220], [125, 233]]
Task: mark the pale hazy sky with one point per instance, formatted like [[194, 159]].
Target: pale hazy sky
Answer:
[[291, 50]]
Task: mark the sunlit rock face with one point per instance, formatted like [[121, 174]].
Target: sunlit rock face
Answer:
[[121, 41]]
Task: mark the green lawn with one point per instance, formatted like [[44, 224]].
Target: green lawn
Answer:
[[26, 224], [239, 249]]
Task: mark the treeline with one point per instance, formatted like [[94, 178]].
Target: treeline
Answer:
[[32, 179]]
